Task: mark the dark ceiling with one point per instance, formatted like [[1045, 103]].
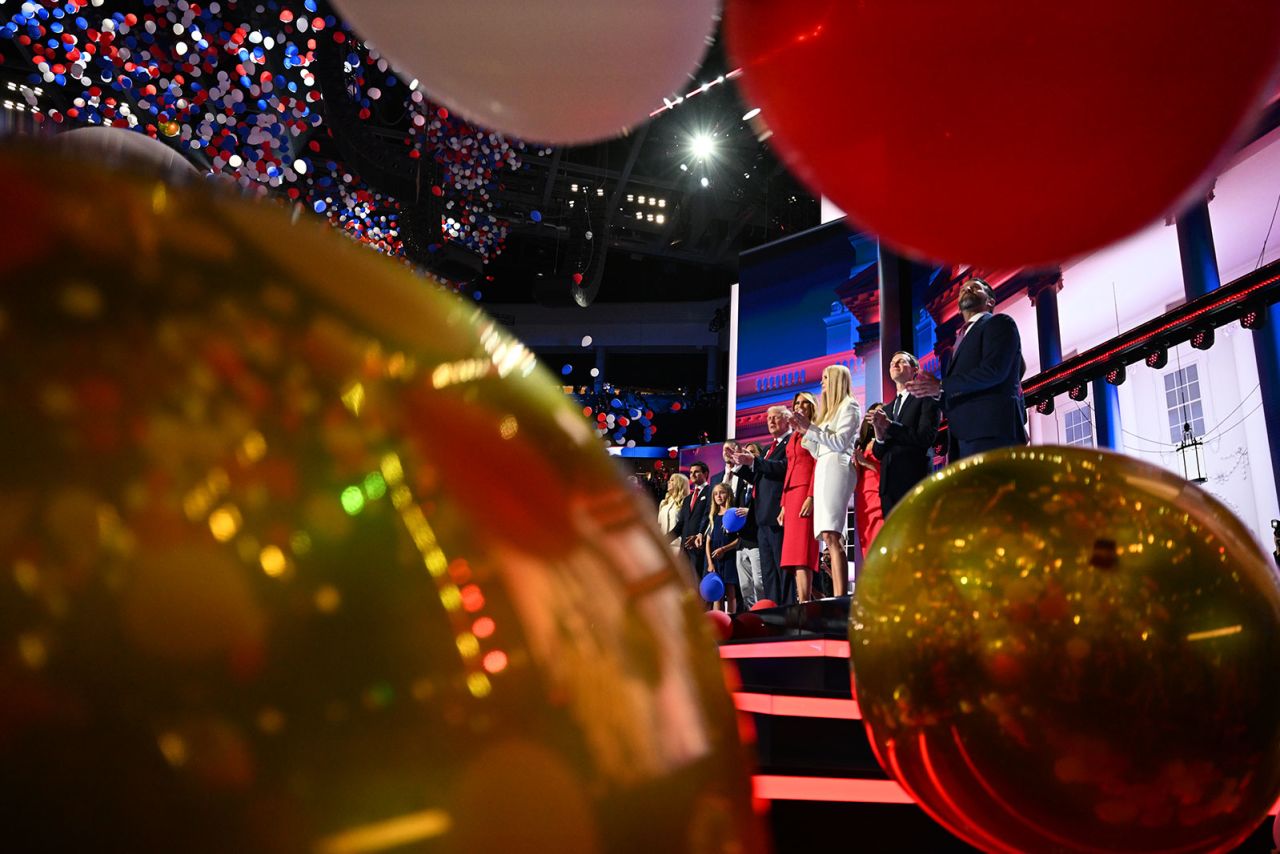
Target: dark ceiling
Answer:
[[684, 245]]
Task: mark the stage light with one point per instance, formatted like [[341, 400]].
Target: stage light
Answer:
[[639, 215], [573, 188], [649, 217], [661, 219], [684, 167], [702, 146], [1115, 376], [631, 197], [1045, 407], [751, 114], [599, 191], [1202, 339], [640, 200], [705, 183], [1079, 392], [1157, 358], [662, 203], [1254, 318]]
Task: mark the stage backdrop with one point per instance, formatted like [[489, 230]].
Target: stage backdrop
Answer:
[[798, 307]]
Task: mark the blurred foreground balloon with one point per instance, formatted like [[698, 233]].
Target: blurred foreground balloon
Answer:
[[1067, 650], [121, 148], [552, 71], [991, 132], [302, 554]]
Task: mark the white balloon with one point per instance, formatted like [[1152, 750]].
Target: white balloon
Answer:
[[121, 148], [552, 71]]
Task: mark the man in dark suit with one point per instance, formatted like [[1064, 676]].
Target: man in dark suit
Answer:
[[696, 514], [981, 390], [767, 473], [905, 431]]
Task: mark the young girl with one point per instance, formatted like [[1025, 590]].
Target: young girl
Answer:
[[721, 546]]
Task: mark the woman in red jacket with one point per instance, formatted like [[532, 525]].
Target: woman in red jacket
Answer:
[[799, 545]]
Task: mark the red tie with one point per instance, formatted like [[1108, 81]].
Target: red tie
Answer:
[[960, 335], [772, 448], [694, 498]]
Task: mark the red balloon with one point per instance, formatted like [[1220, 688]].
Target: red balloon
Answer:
[[999, 133], [721, 624], [764, 603], [577, 278]]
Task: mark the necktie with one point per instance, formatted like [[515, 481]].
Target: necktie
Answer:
[[964, 330], [897, 406]]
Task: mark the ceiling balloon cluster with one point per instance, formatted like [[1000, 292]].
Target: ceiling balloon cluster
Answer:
[[233, 85]]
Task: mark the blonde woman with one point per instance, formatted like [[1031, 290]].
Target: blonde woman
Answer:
[[830, 437], [669, 510]]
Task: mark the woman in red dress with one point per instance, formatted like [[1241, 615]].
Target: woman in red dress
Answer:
[[799, 545], [868, 516]]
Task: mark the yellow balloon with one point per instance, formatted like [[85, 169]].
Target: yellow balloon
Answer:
[[1059, 649], [302, 553]]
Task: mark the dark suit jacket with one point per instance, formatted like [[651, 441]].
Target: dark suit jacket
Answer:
[[906, 454], [742, 497], [696, 515], [982, 389], [768, 474]]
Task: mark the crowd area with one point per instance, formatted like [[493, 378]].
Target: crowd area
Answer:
[[777, 525]]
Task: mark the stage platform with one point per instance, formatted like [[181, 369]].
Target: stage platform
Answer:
[[815, 765]]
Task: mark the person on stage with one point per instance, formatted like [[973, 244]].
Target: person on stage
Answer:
[[981, 390], [867, 514], [829, 437], [799, 546], [905, 431], [721, 547], [768, 473]]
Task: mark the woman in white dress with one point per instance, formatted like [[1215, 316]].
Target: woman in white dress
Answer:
[[669, 510], [830, 438]]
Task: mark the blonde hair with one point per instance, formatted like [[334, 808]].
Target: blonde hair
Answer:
[[838, 390], [728, 504], [677, 489]]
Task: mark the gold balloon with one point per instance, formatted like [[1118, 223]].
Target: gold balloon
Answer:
[[301, 553], [1069, 650]]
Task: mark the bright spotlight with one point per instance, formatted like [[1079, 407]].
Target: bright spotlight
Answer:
[[702, 146], [705, 183]]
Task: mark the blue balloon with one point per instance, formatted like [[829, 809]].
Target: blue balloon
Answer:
[[536, 216], [615, 403], [566, 370], [711, 588], [733, 521]]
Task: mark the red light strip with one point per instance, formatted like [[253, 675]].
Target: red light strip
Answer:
[[783, 705], [820, 648], [771, 787], [1029, 390]]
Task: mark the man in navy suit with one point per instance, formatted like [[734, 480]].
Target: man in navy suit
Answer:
[[981, 390], [696, 514], [769, 472]]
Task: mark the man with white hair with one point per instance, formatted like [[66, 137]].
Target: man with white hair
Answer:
[[768, 472]]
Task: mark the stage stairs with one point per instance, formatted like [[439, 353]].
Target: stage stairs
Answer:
[[816, 769]]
